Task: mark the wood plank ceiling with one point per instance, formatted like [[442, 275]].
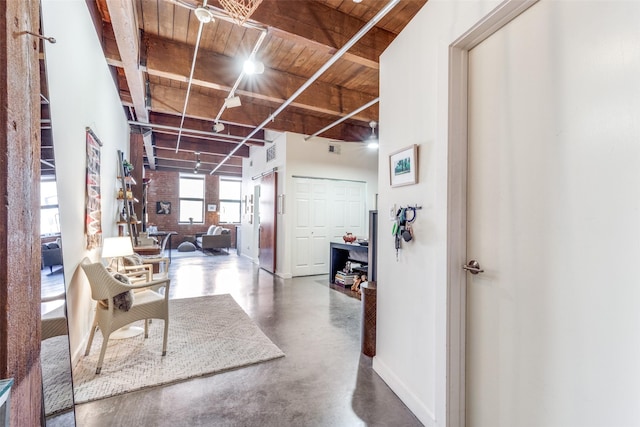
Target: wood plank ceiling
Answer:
[[150, 46]]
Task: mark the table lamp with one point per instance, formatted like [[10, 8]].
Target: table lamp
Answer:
[[117, 247]]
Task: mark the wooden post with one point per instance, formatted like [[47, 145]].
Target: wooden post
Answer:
[[20, 211]]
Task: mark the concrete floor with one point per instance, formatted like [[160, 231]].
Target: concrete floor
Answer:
[[323, 380]]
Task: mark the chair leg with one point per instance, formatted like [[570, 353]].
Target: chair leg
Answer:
[[166, 333], [146, 328], [90, 342], [103, 350]]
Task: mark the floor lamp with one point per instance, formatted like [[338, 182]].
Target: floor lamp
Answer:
[[117, 248]]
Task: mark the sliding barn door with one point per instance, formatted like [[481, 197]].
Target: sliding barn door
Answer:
[[267, 210]]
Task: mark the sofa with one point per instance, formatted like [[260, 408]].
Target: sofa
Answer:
[[51, 254], [216, 237]]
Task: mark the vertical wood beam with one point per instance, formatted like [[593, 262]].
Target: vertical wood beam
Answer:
[[20, 209], [136, 154]]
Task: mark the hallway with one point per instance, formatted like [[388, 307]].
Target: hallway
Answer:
[[322, 381]]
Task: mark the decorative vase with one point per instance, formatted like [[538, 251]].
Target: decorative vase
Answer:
[[349, 238]]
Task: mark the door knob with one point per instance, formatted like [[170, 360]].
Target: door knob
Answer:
[[473, 267]]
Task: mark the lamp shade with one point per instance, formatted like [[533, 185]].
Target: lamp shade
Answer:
[[117, 247]]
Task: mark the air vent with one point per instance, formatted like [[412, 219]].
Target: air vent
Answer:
[[271, 153], [333, 148]]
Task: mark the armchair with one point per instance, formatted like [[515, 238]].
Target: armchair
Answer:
[[54, 322], [147, 304]]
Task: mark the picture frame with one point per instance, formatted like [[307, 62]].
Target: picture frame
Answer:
[[212, 207], [163, 208], [403, 166]]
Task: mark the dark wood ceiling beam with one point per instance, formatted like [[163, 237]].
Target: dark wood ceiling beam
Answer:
[[205, 157], [238, 132], [171, 60], [319, 25], [191, 145], [180, 167], [170, 100]]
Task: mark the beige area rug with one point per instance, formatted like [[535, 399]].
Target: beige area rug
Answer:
[[207, 335], [56, 375]]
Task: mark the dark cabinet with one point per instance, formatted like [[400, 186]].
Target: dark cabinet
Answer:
[[340, 253]]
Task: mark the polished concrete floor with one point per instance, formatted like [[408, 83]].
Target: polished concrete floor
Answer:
[[323, 380]]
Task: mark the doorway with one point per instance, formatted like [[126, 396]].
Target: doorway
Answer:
[[543, 337]]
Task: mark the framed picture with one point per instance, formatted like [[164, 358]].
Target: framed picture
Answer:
[[212, 208], [163, 208], [403, 166]]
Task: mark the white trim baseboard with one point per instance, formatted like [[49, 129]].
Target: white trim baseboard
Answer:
[[424, 414]]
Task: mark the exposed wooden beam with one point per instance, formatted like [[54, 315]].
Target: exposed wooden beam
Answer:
[[170, 60], [181, 167], [230, 133], [125, 30], [317, 25], [190, 145], [205, 157], [170, 100]]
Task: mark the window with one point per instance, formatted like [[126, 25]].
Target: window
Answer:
[[230, 196], [49, 214], [191, 193]]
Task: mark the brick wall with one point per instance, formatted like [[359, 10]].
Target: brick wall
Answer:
[[163, 186]]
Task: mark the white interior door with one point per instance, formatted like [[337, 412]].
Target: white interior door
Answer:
[[310, 230], [553, 323], [323, 211], [348, 209]]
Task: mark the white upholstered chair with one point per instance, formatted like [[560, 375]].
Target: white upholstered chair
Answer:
[[147, 304], [54, 322]]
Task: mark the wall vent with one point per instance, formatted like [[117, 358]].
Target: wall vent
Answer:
[[271, 153], [333, 148]]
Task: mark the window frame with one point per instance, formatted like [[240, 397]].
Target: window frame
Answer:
[[201, 178], [44, 207], [239, 200]]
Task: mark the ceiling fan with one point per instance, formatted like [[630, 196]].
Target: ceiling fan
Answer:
[[371, 141]]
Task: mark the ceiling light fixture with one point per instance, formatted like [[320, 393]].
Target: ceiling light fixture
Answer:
[[373, 139], [357, 1], [218, 127], [204, 15], [232, 101], [195, 170], [253, 67]]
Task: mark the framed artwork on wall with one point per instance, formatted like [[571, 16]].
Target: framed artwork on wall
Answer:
[[403, 166], [93, 215], [163, 208]]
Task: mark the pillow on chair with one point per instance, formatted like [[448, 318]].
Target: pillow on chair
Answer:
[[132, 260], [123, 301]]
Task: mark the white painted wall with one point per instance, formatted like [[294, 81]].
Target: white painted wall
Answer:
[[82, 93], [414, 75], [412, 290], [297, 157]]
